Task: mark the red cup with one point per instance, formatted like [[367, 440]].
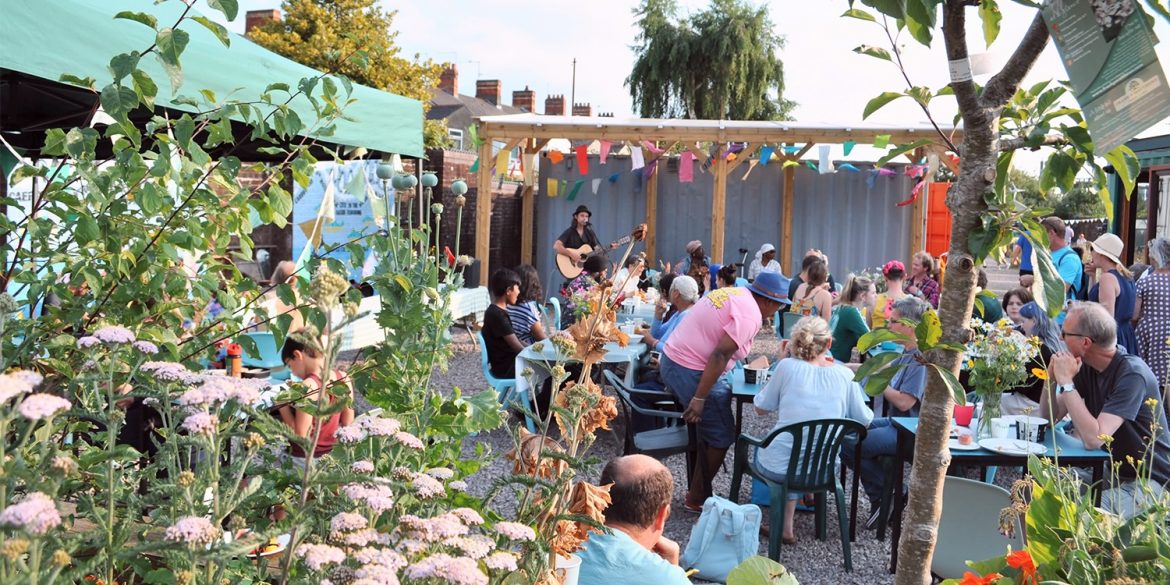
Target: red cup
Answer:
[[963, 414]]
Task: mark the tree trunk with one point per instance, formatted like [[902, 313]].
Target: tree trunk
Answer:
[[980, 149]]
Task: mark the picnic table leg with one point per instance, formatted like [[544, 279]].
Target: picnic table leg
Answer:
[[896, 517], [738, 416], [856, 492]]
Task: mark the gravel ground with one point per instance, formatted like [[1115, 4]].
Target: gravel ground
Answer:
[[810, 560]]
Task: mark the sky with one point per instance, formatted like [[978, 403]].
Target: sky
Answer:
[[524, 43]]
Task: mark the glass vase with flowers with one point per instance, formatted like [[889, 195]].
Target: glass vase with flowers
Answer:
[[998, 359]]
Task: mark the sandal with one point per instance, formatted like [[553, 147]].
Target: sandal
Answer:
[[692, 507], [786, 540]]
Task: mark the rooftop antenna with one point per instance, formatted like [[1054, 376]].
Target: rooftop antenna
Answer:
[[478, 70], [573, 88]]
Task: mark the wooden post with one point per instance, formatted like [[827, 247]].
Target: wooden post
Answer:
[[718, 207], [918, 215], [652, 213], [483, 209], [528, 203], [786, 194]]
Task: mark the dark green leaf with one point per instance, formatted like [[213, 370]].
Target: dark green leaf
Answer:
[[1048, 289], [229, 8], [877, 337], [184, 129], [54, 142], [123, 65], [216, 29], [87, 230], [901, 150], [878, 381], [952, 383], [878, 52], [142, 17], [81, 142], [984, 238], [79, 81], [1126, 165], [892, 8], [1003, 167], [921, 16], [991, 17], [144, 86], [878, 102], [171, 43], [1079, 137], [1061, 172], [859, 14], [118, 100], [874, 364]]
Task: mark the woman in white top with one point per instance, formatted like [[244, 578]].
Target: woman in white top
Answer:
[[806, 386], [765, 262]]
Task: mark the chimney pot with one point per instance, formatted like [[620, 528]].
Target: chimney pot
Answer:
[[255, 18], [489, 90], [449, 79], [524, 99], [582, 110], [554, 105]]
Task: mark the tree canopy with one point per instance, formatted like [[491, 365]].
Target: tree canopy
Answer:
[[719, 63], [354, 38]]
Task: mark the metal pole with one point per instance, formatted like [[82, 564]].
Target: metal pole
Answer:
[[573, 90]]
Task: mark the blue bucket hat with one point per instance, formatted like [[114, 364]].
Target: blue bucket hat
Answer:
[[771, 285]]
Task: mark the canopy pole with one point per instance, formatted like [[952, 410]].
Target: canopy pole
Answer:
[[918, 239], [786, 196], [718, 207], [483, 209], [528, 202], [652, 214]]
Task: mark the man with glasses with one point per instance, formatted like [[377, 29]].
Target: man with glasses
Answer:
[[1112, 398]]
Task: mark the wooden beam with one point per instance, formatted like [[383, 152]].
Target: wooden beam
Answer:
[[534, 146], [719, 207], [652, 216], [483, 209], [700, 132], [528, 203], [918, 212], [787, 196], [743, 156]]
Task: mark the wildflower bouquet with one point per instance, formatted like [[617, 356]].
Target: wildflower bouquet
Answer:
[[998, 359]]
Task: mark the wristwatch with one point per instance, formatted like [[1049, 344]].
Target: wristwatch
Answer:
[[1064, 389]]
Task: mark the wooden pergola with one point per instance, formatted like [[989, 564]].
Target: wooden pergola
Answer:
[[533, 132]]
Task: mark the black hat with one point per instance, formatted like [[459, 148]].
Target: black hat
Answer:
[[582, 208]]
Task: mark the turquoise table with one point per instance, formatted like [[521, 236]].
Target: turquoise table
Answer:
[[1071, 450], [741, 392]]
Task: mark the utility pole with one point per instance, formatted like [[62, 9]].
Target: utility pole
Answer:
[[573, 90]]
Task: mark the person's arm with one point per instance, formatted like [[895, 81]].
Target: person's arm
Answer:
[[667, 549], [537, 331], [930, 291], [347, 412], [716, 364], [1137, 306], [898, 399], [1108, 291], [514, 342], [824, 304], [767, 400], [559, 248]]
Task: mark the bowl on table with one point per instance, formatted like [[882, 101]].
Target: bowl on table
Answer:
[[635, 339]]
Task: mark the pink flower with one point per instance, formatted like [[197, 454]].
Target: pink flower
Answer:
[[17, 383], [444, 567], [166, 371], [378, 497], [347, 522], [361, 537], [220, 389], [501, 561], [350, 434], [378, 556], [408, 440], [200, 423], [40, 406], [476, 546], [317, 556], [193, 530], [375, 574], [427, 487], [468, 516], [435, 529], [440, 473], [87, 341], [146, 347], [458, 485], [362, 466], [36, 514], [377, 426], [114, 334], [515, 531]]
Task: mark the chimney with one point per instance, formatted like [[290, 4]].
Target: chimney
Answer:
[[524, 99], [449, 79], [582, 110], [255, 18], [605, 115], [488, 90], [554, 105]]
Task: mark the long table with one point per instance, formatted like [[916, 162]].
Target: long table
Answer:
[[540, 362], [1071, 450]]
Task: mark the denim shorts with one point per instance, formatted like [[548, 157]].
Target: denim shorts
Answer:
[[717, 428]]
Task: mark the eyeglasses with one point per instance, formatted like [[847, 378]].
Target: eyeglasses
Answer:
[[1064, 334]]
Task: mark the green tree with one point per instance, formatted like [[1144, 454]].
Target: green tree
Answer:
[[353, 38], [1082, 201], [721, 63]]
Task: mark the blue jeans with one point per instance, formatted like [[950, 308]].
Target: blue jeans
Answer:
[[881, 440], [717, 428]]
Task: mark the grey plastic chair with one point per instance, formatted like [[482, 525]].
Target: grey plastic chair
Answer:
[[969, 526], [671, 439]]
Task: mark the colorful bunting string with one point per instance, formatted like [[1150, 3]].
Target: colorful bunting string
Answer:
[[552, 187], [605, 146], [637, 159], [576, 188], [849, 144], [765, 155], [848, 167], [583, 159], [474, 166], [596, 184], [686, 167], [881, 140], [555, 156]]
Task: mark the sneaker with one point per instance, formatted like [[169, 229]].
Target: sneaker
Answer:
[[692, 507], [874, 515]]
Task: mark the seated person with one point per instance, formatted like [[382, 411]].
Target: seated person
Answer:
[[992, 310], [725, 276], [593, 272], [634, 551], [901, 398], [498, 336], [852, 307], [807, 386], [525, 312], [684, 293], [765, 261], [305, 362], [629, 277], [1112, 398]]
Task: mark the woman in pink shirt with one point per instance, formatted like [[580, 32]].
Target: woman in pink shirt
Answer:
[[718, 330]]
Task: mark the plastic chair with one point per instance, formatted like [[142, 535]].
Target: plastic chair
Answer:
[[658, 443], [269, 355], [969, 526], [504, 387], [554, 304], [785, 322], [816, 446]]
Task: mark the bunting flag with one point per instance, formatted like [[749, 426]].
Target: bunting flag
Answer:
[[848, 167], [791, 149], [686, 167], [751, 167], [637, 160], [614, 177], [596, 184], [913, 195], [765, 155], [698, 154], [711, 154], [915, 170], [576, 188], [473, 134], [811, 165], [582, 159], [825, 167], [529, 168], [649, 169], [502, 159], [555, 156], [875, 173], [849, 144], [552, 187], [654, 150], [734, 149], [881, 141], [563, 187], [605, 144], [790, 163], [474, 166]]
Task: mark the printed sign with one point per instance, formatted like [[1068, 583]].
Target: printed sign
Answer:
[[353, 213]]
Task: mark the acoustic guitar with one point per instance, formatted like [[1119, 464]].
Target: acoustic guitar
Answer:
[[571, 269]]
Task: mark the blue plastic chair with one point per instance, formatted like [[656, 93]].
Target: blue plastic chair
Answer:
[[269, 358], [505, 387], [555, 305]]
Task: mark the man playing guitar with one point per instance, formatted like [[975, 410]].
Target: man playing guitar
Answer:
[[579, 234]]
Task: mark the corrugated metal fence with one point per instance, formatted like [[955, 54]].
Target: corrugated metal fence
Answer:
[[858, 226]]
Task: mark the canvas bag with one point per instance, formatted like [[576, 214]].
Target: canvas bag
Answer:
[[725, 536]]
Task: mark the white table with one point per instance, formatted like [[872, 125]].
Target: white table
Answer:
[[363, 331], [642, 311], [469, 302], [540, 362]]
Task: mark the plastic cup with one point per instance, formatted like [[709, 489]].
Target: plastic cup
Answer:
[[1000, 427], [963, 414]]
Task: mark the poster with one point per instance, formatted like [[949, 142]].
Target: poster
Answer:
[[1108, 51], [354, 213]]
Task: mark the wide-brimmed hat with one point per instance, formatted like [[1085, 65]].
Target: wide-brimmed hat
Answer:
[[583, 209], [1109, 246], [771, 285], [693, 245]]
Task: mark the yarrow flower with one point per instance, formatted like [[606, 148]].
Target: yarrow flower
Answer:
[[200, 423], [317, 556], [114, 334], [458, 485], [40, 406], [36, 514], [427, 487], [380, 556], [17, 383], [408, 440], [146, 347], [440, 473], [349, 434], [375, 574], [435, 529], [378, 426], [347, 522], [87, 341], [501, 561], [193, 530], [444, 567], [468, 516], [515, 531], [166, 371], [476, 546], [378, 497], [362, 466], [220, 389]]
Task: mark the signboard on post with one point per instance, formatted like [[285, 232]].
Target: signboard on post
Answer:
[[1108, 52]]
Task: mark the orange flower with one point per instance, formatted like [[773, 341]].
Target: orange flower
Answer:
[[970, 578], [1040, 373], [1022, 560]]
